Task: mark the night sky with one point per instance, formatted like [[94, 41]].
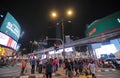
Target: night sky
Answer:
[[33, 15]]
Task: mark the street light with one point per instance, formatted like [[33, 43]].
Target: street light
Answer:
[[54, 14], [69, 14]]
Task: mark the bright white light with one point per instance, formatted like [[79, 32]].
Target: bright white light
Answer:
[[54, 14], [106, 49], [51, 52], [118, 20], [70, 49], [35, 57], [43, 56], [4, 39], [109, 49], [1, 16], [99, 51]]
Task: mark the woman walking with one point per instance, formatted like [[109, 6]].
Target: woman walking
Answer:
[[92, 68], [23, 65]]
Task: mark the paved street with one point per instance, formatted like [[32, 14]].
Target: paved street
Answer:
[[109, 74], [10, 71]]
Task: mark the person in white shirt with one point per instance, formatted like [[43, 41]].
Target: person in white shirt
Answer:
[[92, 67], [40, 66]]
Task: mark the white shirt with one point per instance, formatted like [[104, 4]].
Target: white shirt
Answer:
[[92, 67]]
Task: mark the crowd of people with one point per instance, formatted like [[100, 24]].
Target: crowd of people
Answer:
[[72, 67], [79, 66]]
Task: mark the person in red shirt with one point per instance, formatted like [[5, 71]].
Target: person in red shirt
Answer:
[[54, 65], [23, 65]]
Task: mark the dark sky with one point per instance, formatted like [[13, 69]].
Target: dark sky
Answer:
[[33, 15]]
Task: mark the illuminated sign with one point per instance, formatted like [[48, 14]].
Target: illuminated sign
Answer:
[[106, 49], [14, 44], [103, 24], [70, 49], [11, 27], [118, 20], [3, 39], [7, 41], [18, 47], [91, 32]]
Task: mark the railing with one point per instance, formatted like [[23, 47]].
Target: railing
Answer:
[[94, 39]]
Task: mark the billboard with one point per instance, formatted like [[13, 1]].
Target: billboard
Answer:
[[11, 27], [3, 39], [18, 47], [7, 41], [104, 24]]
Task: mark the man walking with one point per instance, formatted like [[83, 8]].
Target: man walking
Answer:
[[33, 65], [48, 67]]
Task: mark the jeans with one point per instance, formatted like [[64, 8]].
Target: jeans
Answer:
[[22, 71], [48, 75]]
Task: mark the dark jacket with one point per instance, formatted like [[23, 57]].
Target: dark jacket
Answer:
[[68, 66], [48, 67]]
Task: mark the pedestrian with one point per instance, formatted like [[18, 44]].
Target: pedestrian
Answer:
[[48, 69], [66, 67], [76, 67], [37, 65], [63, 65], [40, 66], [33, 65], [70, 72], [72, 63], [23, 65], [92, 67], [55, 65], [60, 62], [80, 63]]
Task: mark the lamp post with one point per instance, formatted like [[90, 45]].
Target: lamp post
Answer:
[[31, 42], [62, 24], [54, 15]]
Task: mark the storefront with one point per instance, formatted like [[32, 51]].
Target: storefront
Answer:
[[6, 52]]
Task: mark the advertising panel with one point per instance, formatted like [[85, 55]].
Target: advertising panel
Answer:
[[7, 41], [11, 27], [13, 44], [18, 47], [103, 24], [4, 39]]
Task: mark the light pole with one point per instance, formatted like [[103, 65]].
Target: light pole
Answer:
[[54, 15], [31, 42], [62, 24]]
